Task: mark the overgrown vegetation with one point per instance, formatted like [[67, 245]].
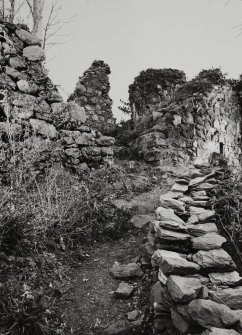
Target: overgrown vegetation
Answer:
[[228, 207]]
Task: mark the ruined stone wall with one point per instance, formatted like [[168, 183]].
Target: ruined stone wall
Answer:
[[199, 285], [187, 127], [92, 93], [31, 106]]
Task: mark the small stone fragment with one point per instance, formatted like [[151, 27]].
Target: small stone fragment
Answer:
[[126, 271], [133, 315], [124, 290]]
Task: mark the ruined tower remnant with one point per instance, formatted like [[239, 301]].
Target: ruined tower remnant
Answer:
[[181, 121], [92, 93]]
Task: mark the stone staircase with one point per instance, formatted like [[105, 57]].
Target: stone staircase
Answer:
[[198, 290]]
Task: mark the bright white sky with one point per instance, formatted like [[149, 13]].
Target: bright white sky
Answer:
[[133, 35]]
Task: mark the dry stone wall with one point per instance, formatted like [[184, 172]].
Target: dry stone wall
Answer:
[[31, 106], [92, 93], [199, 288], [179, 127]]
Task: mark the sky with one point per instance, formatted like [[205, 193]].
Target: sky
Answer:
[[133, 35]]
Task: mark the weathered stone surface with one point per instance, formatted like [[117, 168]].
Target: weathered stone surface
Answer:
[[27, 87], [174, 194], [126, 271], [85, 139], [196, 181], [14, 129], [162, 277], [210, 314], [200, 203], [15, 74], [172, 263], [183, 289], [219, 331], [206, 216], [167, 202], [17, 63], [124, 290], [65, 112], [187, 200], [170, 225], [43, 128], [217, 259], [179, 322], [6, 81], [202, 228], [179, 188], [170, 235], [155, 293], [205, 186], [34, 53], [167, 214], [133, 315], [208, 241], [105, 141], [226, 278], [27, 37], [142, 220], [73, 152], [231, 297], [193, 219]]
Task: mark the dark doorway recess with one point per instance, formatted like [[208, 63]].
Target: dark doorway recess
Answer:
[[221, 148]]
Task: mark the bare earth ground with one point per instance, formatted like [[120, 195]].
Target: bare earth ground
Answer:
[[91, 305]]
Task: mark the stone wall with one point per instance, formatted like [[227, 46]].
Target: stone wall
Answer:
[[199, 288], [92, 93], [31, 106], [190, 122]]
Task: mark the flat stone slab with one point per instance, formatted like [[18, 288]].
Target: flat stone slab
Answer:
[[170, 235], [202, 228], [183, 289], [171, 225], [124, 290], [219, 331], [216, 259], [126, 271], [208, 242], [187, 200], [200, 203], [209, 314], [196, 181], [179, 188], [202, 214], [199, 193], [205, 186], [167, 202], [173, 194], [167, 214], [173, 263], [201, 198], [225, 278], [232, 297]]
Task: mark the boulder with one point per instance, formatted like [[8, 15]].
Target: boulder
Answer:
[[124, 290], [231, 297], [183, 289], [167, 214], [179, 188], [43, 128], [217, 259], [219, 331], [170, 235], [173, 263], [27, 37], [167, 202], [208, 241], [170, 225], [126, 271], [105, 141], [202, 228], [209, 314], [34, 53], [225, 278]]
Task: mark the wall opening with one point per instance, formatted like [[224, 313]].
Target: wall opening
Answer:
[[221, 148]]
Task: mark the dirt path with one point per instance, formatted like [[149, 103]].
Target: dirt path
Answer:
[[94, 305], [91, 306]]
